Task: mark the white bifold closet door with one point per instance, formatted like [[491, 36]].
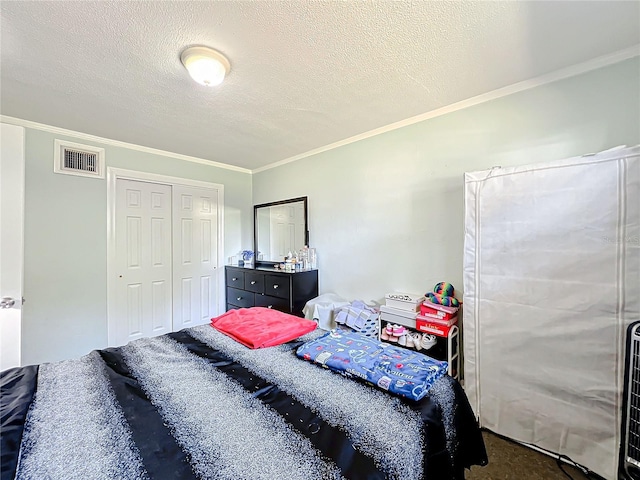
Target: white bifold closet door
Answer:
[[195, 226], [551, 281], [166, 259], [143, 251]]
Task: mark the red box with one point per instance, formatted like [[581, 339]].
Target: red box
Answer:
[[446, 313], [428, 325], [445, 322], [425, 310]]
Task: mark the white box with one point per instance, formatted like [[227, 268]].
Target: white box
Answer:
[[397, 316], [404, 301]]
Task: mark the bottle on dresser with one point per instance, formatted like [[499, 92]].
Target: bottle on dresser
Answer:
[[303, 258], [313, 258]]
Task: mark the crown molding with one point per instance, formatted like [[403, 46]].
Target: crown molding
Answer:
[[561, 74], [116, 143], [557, 75]]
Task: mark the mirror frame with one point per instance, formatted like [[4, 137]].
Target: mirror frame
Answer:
[[304, 200]]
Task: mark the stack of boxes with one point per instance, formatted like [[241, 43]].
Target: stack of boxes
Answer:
[[441, 320], [425, 326], [400, 309], [422, 325], [436, 319]]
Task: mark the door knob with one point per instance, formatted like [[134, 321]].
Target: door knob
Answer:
[[7, 302]]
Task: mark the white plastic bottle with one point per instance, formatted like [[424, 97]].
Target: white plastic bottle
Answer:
[[313, 258], [304, 257]]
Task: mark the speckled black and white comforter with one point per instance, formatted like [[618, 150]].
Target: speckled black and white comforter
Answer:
[[197, 404]]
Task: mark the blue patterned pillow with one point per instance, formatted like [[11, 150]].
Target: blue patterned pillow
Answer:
[[400, 371]]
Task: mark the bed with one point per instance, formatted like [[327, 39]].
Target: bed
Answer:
[[199, 404]]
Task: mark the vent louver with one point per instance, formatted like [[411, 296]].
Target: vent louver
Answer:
[[76, 159], [83, 161]]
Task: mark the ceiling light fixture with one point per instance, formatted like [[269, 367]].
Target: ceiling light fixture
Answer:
[[205, 65]]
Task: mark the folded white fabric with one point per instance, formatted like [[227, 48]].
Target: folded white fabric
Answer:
[[322, 309]]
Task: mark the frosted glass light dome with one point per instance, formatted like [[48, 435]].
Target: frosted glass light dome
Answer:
[[205, 65]]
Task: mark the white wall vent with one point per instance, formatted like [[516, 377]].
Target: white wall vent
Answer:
[[75, 159]]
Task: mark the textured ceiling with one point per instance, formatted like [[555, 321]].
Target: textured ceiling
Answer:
[[304, 74]]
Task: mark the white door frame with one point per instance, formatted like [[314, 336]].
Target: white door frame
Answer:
[[12, 189], [113, 174]]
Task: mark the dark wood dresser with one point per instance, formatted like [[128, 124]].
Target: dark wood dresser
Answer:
[[268, 287]]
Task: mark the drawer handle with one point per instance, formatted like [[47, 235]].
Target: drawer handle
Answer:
[[275, 286], [239, 298], [253, 282], [234, 279]]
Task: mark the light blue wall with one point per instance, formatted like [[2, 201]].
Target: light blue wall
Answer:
[[65, 265], [386, 213]]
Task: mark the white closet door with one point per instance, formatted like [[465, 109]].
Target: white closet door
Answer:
[[195, 279], [143, 243]]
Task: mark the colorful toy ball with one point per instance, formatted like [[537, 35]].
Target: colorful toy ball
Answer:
[[447, 301], [444, 288]]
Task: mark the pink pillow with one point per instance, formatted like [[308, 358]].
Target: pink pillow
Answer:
[[260, 327]]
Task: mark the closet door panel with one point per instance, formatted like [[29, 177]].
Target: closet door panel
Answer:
[[143, 251], [195, 276]]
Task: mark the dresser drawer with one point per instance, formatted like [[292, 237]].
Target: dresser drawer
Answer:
[[235, 279], [277, 286], [276, 303], [254, 282], [265, 287], [240, 298]]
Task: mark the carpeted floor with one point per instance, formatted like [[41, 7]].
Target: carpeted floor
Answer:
[[512, 461]]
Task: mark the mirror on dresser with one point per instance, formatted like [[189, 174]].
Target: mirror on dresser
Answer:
[[279, 228]]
